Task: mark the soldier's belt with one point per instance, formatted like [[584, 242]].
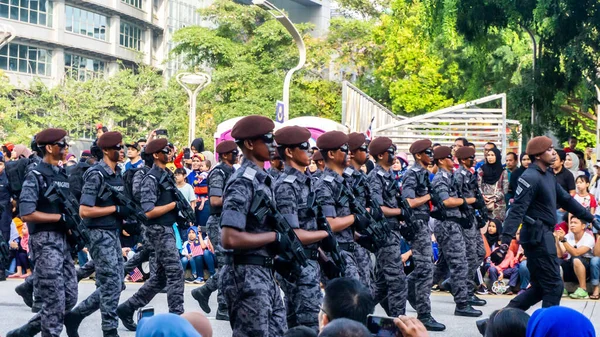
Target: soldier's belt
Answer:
[[347, 246], [422, 217], [311, 254], [255, 260]]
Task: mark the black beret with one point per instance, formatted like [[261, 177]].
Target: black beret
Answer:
[[332, 140], [156, 145], [226, 147], [464, 152], [292, 135], [442, 152], [380, 145], [251, 127], [109, 139], [538, 145], [356, 140], [419, 146], [50, 136], [317, 155]]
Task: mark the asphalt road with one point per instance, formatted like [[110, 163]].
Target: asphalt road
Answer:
[[14, 313]]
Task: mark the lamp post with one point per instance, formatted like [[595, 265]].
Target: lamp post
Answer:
[[7, 34], [597, 123], [289, 26], [534, 48], [192, 83]]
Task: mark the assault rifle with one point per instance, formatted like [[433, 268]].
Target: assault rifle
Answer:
[[481, 214], [294, 259], [464, 208], [376, 229], [410, 228], [136, 212], [78, 232], [440, 209], [329, 244], [187, 213]]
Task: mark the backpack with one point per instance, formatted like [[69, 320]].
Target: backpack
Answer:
[[128, 180], [16, 171], [76, 178]]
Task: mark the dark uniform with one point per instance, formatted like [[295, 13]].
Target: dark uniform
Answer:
[[5, 217], [274, 173], [55, 281], [537, 197], [303, 298]]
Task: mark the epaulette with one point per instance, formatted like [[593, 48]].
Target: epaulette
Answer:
[[329, 179], [416, 169], [381, 173], [445, 175], [290, 179], [348, 172], [249, 173], [463, 172]]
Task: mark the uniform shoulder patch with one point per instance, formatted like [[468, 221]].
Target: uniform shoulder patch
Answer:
[[329, 179], [416, 169], [348, 171], [381, 173], [249, 173], [463, 172], [290, 179], [524, 182], [445, 175]]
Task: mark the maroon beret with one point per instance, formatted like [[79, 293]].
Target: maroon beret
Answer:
[[156, 145], [538, 145], [109, 139], [464, 152], [442, 152], [226, 147], [332, 140], [419, 146], [50, 136], [356, 140], [292, 135], [379, 145], [317, 155], [252, 127]]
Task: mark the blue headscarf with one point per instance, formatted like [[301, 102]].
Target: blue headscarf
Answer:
[[559, 321], [165, 325]]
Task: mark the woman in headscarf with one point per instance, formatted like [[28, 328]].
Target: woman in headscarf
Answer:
[[399, 167], [493, 182], [514, 177], [559, 321], [572, 164]]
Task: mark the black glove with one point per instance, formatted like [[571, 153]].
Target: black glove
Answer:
[[367, 242], [287, 269], [328, 244], [596, 224], [282, 243], [478, 204], [329, 268], [123, 212], [360, 222], [498, 254], [376, 213], [68, 221]]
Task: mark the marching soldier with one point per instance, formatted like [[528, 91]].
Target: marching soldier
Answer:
[[415, 190], [276, 168], [252, 295], [161, 210], [292, 192], [55, 281], [217, 178], [448, 232]]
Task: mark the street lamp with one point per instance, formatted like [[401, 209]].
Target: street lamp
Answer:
[[597, 123], [289, 26], [192, 83], [7, 34]]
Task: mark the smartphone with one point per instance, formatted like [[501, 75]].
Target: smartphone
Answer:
[[186, 154], [145, 312], [161, 132], [381, 326]]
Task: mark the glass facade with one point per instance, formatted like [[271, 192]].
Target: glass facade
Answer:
[[130, 36], [182, 13], [37, 12], [82, 68], [86, 23], [25, 59], [134, 3]]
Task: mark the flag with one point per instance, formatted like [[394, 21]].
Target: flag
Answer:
[[136, 275], [196, 249], [369, 133]]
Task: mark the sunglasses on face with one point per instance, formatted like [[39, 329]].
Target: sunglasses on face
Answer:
[[166, 150], [429, 153], [62, 145], [117, 147], [364, 148], [267, 138], [344, 148]]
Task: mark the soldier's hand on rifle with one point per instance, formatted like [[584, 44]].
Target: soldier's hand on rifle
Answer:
[[328, 244], [360, 222], [123, 212], [282, 242], [69, 221]]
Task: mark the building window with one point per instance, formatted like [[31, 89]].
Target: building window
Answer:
[[82, 68], [86, 23], [134, 3], [130, 36], [25, 59], [37, 12]]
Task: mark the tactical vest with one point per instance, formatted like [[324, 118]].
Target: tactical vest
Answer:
[[226, 172], [104, 199], [164, 197], [45, 178]]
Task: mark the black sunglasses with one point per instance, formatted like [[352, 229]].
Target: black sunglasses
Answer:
[[429, 153], [304, 146], [344, 148], [166, 150], [364, 148], [62, 145], [267, 138], [117, 147]]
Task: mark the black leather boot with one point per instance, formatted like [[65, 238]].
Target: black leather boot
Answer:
[[430, 323], [202, 295], [25, 291], [467, 311], [476, 301], [72, 323], [27, 330], [125, 312], [222, 313]]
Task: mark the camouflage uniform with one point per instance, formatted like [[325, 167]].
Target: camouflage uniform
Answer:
[[390, 280], [55, 281], [421, 278], [253, 298], [160, 236], [303, 298], [328, 190], [449, 235], [274, 173], [464, 181], [105, 247]]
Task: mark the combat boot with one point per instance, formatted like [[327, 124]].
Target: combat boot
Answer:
[[27, 330], [25, 291], [222, 313], [2, 275], [110, 333], [430, 323], [72, 323], [467, 311], [476, 301], [202, 295], [125, 313]]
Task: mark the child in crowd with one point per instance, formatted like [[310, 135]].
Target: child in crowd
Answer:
[[19, 249], [186, 254], [583, 196], [508, 268], [492, 236], [198, 249], [198, 179], [188, 192]]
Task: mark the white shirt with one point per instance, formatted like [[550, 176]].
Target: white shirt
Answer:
[[188, 192], [587, 240]]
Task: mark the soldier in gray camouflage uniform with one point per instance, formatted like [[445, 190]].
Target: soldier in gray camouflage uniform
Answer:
[[217, 178], [104, 219], [292, 190], [276, 168], [161, 210], [463, 178], [390, 280], [55, 281], [416, 193], [334, 148], [449, 231], [252, 295]]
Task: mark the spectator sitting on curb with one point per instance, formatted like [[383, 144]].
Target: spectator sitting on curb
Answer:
[[346, 298]]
